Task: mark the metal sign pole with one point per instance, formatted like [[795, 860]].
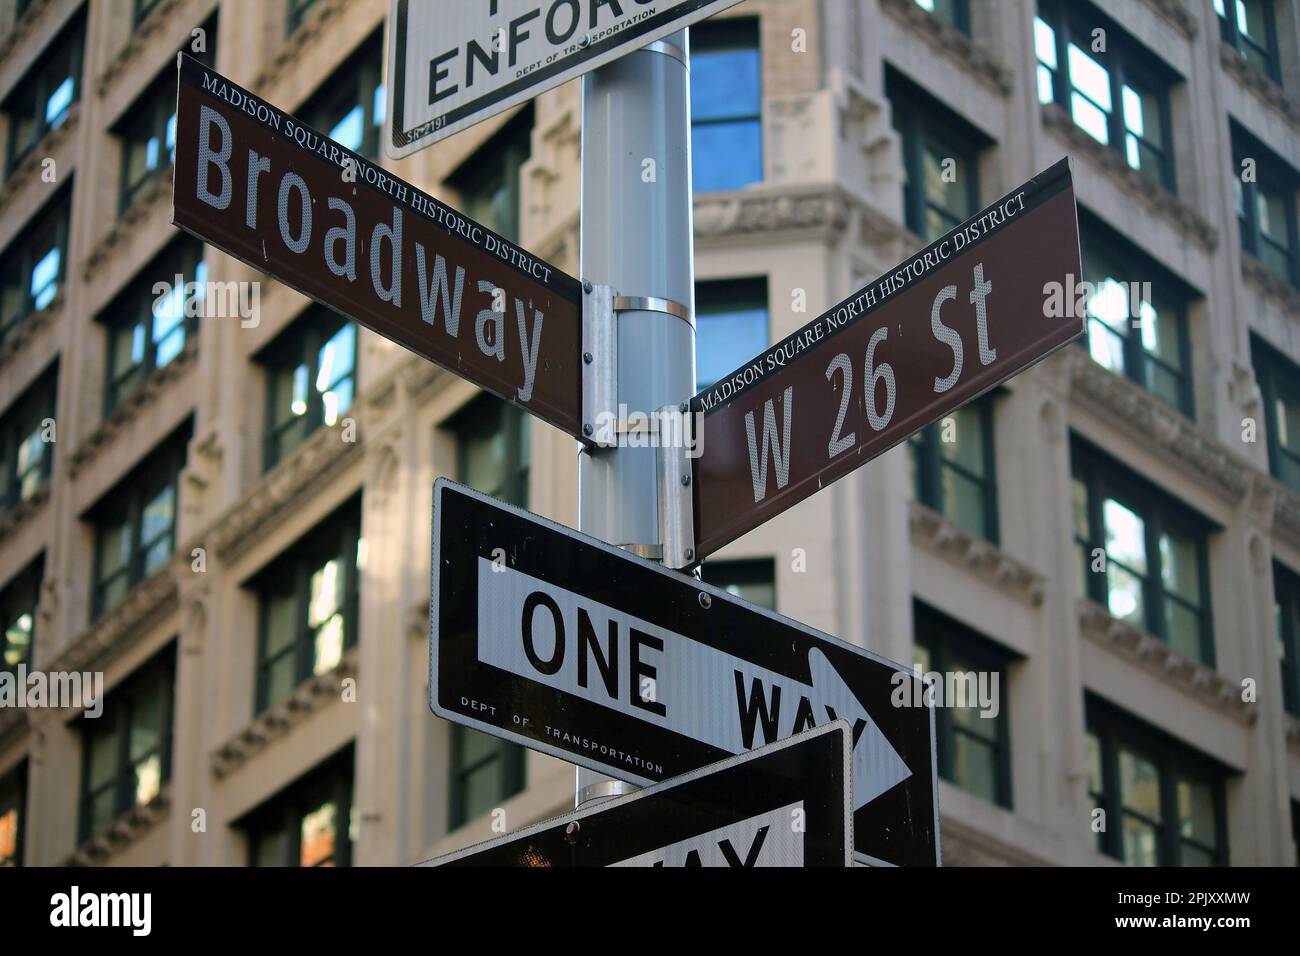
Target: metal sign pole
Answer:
[[637, 240]]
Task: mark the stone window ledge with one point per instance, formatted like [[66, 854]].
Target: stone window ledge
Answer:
[[17, 516], [313, 694], [1269, 285], [23, 28], [1193, 678], [157, 196], [1260, 84], [125, 830], [989, 562], [947, 40], [28, 328], [142, 35], [1142, 190], [149, 601], [115, 427], [292, 49]]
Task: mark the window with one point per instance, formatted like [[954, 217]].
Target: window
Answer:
[[1137, 317], [1251, 30], [148, 127], [489, 182], [1164, 802], [33, 267], [493, 449], [13, 815], [974, 742], [731, 327], [952, 468], [726, 105], [127, 750], [40, 101], [307, 606], [492, 456], [1153, 569], [135, 523], [956, 12], [311, 372], [310, 823], [147, 330], [485, 772], [349, 106], [26, 442], [1266, 207], [940, 160], [1279, 385], [298, 10], [1119, 96], [1286, 611], [751, 580], [18, 601]]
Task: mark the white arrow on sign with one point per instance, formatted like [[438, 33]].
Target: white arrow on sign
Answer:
[[569, 642]]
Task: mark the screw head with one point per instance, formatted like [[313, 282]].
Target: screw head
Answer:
[[584, 42], [587, 357], [686, 481], [571, 832], [588, 430], [706, 600], [586, 286], [684, 407]]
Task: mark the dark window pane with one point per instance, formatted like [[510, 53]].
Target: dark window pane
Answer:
[[752, 580], [731, 327], [726, 105]]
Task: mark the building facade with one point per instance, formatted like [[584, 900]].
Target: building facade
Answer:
[[229, 517]]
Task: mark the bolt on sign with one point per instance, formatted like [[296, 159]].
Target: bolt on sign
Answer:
[[785, 804], [948, 324], [454, 63], [260, 185], [549, 638]]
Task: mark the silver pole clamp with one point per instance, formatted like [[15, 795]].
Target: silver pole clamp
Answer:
[[650, 303], [673, 477]]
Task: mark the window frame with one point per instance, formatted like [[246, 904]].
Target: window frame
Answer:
[[1288, 635], [960, 15], [1230, 33], [355, 82], [1105, 478], [1278, 378], [743, 572], [157, 472], [1277, 176], [502, 157], [480, 419], [741, 293], [945, 639], [930, 464], [1125, 58], [21, 257], [37, 403], [20, 595], [335, 537], [159, 672], [512, 756], [133, 306], [299, 345], [296, 13], [71, 41], [732, 33], [1175, 295], [332, 780], [1114, 729]]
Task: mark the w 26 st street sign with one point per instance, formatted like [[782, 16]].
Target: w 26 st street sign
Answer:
[[953, 321], [267, 189], [557, 641]]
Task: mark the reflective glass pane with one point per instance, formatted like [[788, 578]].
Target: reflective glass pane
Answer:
[[1141, 846], [326, 593], [328, 649], [1196, 811], [1125, 535], [1090, 78], [1045, 43], [281, 622], [1180, 568], [319, 834], [59, 101], [725, 84], [1139, 782], [725, 340], [1124, 594], [726, 155], [975, 766], [349, 130]]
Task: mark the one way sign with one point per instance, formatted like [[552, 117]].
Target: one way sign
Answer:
[[555, 640]]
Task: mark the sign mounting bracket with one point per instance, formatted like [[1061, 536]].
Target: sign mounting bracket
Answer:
[[673, 477]]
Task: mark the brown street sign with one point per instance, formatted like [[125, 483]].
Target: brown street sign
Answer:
[[948, 324], [260, 185]]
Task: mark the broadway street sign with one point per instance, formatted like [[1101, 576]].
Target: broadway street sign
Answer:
[[552, 639], [260, 185], [959, 317], [453, 63], [786, 804]]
